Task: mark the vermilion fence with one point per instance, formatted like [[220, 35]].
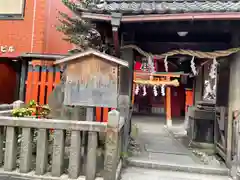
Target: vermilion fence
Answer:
[[41, 80]]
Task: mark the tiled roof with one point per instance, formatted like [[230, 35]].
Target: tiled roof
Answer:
[[165, 6]]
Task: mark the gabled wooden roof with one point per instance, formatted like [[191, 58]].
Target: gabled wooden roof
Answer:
[[95, 53]]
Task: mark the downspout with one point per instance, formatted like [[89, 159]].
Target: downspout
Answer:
[[115, 22], [33, 24]]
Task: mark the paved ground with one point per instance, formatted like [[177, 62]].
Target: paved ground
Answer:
[[158, 145], [160, 150], [133, 173]]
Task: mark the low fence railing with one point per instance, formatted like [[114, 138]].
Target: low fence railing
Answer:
[[53, 155], [6, 109]]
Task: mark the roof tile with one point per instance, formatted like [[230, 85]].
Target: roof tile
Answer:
[[165, 6]]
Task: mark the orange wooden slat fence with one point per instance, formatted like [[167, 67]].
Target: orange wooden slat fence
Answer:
[[40, 82]]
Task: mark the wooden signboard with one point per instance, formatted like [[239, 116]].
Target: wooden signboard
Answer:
[[91, 81]]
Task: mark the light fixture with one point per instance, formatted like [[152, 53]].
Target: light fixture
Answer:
[[182, 33]]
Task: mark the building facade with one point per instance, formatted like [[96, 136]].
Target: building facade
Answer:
[[27, 26]]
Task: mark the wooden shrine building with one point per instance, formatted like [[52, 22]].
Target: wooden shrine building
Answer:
[[138, 29]]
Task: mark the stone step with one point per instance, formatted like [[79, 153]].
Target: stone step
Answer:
[[194, 168], [134, 173]]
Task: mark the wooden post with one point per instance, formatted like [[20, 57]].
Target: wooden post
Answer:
[[168, 105], [133, 89], [237, 149], [189, 99], [229, 137], [29, 81], [1, 145], [23, 77], [111, 145]]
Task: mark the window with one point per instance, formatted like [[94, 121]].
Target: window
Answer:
[[11, 9]]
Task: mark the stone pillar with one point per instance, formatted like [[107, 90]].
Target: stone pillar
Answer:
[[18, 104], [123, 106], [111, 145]]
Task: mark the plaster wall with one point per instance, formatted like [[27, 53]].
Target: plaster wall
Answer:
[[234, 88], [126, 74]]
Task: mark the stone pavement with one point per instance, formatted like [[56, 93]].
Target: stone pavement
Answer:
[[161, 151], [133, 173]]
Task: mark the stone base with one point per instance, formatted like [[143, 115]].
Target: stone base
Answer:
[[201, 169], [169, 123], [237, 176]]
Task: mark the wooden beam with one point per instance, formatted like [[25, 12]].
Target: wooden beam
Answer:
[[163, 47], [173, 27], [166, 17], [159, 74]]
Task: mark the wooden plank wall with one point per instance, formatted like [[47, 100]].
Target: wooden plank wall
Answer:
[[42, 78]]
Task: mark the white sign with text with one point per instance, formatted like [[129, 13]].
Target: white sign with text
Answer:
[[6, 49]]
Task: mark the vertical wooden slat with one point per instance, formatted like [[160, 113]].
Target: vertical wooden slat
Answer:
[[229, 137], [23, 76], [43, 84], [189, 98], [29, 83], [1, 145], [120, 144], [75, 155], [98, 114], [134, 87], [35, 83], [42, 152], [57, 76], [91, 156], [50, 81], [105, 114], [58, 153], [26, 150], [10, 150]]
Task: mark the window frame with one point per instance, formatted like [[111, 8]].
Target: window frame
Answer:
[[14, 16]]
